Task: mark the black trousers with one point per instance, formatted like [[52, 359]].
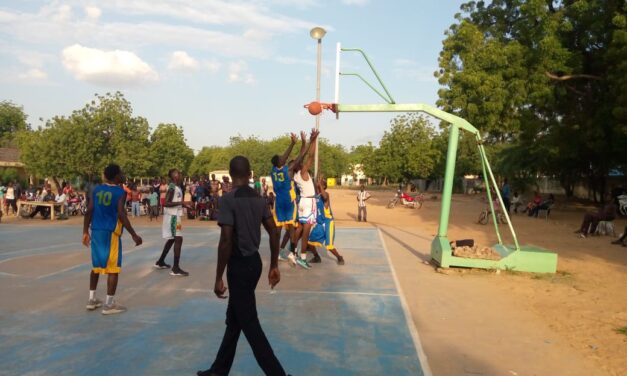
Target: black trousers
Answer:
[[242, 275]]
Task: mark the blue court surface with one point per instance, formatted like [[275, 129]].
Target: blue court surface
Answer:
[[330, 320]]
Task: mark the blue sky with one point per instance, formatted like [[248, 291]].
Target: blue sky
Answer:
[[217, 67]]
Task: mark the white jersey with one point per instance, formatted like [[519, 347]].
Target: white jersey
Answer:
[[177, 197], [306, 187]]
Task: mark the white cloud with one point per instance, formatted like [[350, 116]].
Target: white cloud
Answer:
[[33, 74], [214, 12], [62, 13], [92, 12], [212, 65], [355, 2], [180, 60], [222, 27], [238, 72], [115, 67]]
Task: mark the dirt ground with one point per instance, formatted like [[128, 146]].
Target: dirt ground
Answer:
[[484, 323]]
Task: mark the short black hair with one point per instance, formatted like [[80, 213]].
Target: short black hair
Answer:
[[239, 167], [275, 160], [111, 171], [171, 172]]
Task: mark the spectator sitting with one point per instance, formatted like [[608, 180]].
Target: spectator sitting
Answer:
[[591, 220], [61, 199], [516, 202], [43, 210], [544, 205], [537, 200]]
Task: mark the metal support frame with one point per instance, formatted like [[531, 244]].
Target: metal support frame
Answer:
[[528, 258]]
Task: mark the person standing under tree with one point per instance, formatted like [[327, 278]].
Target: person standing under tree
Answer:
[[106, 215], [242, 212], [505, 195], [171, 229], [362, 197]]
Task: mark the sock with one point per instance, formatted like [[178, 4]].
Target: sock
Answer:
[[92, 294], [109, 300], [292, 247], [303, 256], [176, 262]]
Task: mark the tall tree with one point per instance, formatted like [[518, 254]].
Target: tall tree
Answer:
[[544, 76], [168, 149], [82, 144], [12, 121]]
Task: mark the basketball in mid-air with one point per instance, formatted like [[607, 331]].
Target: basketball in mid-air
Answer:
[[314, 108]]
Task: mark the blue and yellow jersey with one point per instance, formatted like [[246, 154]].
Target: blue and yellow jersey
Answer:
[[282, 185], [324, 213], [105, 200]]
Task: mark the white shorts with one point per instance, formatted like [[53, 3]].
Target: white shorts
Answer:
[[171, 226], [307, 210]]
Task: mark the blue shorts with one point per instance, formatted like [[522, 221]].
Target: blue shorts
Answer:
[[106, 251], [284, 212], [323, 234]]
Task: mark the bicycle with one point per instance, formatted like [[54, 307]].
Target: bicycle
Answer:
[[485, 214]]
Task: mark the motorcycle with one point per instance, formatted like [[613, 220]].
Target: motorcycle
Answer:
[[622, 204], [76, 205], [414, 202]]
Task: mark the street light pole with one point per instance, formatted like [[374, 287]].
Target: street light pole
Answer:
[[318, 73], [318, 33]]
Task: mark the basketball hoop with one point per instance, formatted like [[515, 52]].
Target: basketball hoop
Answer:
[[315, 108]]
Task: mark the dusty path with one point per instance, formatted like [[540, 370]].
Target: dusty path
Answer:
[[480, 323]]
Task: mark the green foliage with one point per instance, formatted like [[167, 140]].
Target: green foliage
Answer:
[[8, 175], [12, 121], [333, 159], [102, 132], [168, 150], [545, 79], [407, 151]]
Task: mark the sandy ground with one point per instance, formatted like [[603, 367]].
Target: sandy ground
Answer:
[[483, 323]]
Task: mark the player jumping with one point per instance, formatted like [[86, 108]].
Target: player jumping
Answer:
[[285, 196], [307, 208], [106, 215]]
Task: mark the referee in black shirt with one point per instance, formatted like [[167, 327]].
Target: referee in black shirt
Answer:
[[242, 212]]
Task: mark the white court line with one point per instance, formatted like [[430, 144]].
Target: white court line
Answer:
[[38, 249], [410, 323], [279, 291], [78, 265]]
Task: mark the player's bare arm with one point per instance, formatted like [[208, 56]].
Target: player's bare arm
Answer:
[[312, 152], [283, 158], [274, 276], [301, 153], [126, 223], [224, 253], [87, 222], [323, 193]]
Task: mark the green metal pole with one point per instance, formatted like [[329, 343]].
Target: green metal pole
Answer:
[[373, 70], [484, 163], [498, 194], [447, 191], [369, 85]]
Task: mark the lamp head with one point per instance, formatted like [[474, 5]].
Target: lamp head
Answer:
[[317, 33]]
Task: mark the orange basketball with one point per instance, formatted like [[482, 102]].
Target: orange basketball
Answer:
[[314, 108]]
